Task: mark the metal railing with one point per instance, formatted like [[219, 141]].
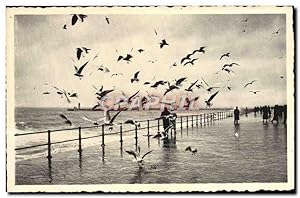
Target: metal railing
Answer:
[[190, 120]]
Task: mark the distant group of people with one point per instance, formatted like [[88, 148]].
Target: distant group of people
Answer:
[[266, 112], [279, 111]]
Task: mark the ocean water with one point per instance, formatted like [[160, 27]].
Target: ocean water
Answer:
[[29, 120]]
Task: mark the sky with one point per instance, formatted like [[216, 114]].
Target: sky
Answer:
[[45, 53]]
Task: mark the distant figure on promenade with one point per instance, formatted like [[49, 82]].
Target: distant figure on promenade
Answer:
[[246, 111], [276, 114], [236, 113], [269, 111], [255, 110], [265, 113], [284, 113], [261, 109], [166, 122]]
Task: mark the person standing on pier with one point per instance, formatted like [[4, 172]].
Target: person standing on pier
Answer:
[[166, 122], [236, 113], [265, 113], [246, 112], [276, 114], [284, 113]]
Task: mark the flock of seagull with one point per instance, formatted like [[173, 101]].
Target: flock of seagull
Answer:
[[170, 86]]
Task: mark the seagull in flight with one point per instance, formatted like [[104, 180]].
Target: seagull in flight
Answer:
[[180, 81], [156, 84], [140, 50], [254, 92], [116, 74], [107, 20], [200, 50], [108, 120], [62, 93], [188, 101], [67, 121], [187, 57], [230, 65], [95, 122], [127, 58], [191, 86], [128, 100], [190, 62], [78, 71], [136, 155], [250, 83], [209, 88], [132, 122], [174, 65], [163, 43], [135, 77], [170, 88], [208, 102], [193, 151], [224, 55], [245, 20], [75, 18], [276, 32], [103, 93]]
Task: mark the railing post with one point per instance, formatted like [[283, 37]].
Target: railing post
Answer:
[[121, 133], [79, 140], [49, 145], [197, 119], [201, 119], [192, 121], [148, 128], [204, 115], [136, 136], [181, 123], [187, 121], [102, 136], [158, 124]]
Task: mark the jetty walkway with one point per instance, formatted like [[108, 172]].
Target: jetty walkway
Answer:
[[226, 153]]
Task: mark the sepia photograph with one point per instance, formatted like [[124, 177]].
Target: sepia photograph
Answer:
[[150, 99]]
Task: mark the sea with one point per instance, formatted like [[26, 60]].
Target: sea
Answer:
[[35, 120]]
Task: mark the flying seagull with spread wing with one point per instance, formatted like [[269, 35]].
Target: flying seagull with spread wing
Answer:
[[250, 83], [163, 43], [208, 102], [135, 77], [225, 55], [136, 155], [191, 86], [79, 71], [67, 121]]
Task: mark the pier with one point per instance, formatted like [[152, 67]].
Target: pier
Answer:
[[248, 152]]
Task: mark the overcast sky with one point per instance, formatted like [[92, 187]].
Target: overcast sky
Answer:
[[44, 53]]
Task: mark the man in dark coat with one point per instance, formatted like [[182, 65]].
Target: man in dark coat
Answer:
[[236, 113]]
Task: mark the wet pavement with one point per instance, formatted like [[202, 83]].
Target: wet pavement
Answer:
[[226, 153]]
